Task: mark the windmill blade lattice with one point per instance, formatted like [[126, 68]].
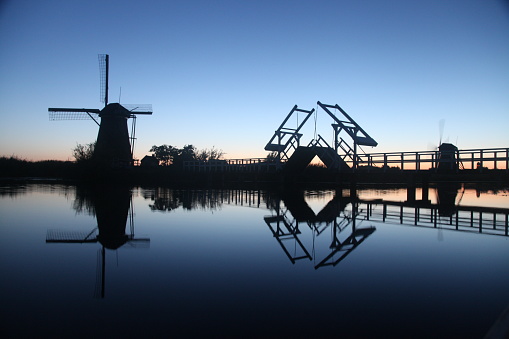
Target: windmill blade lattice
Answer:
[[56, 114], [103, 77], [138, 109]]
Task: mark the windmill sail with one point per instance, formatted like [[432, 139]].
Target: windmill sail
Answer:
[[56, 114], [138, 109], [104, 70]]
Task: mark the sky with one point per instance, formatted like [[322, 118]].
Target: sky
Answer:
[[225, 74]]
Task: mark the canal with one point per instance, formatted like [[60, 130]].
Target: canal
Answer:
[[114, 261]]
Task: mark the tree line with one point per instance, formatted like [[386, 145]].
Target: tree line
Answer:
[[166, 155], [170, 155]]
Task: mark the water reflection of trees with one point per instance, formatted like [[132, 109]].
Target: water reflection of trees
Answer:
[[15, 189], [83, 201], [166, 199], [169, 200]]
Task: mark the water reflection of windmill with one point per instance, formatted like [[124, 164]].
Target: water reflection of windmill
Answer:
[[114, 145], [334, 216], [113, 209], [446, 193]]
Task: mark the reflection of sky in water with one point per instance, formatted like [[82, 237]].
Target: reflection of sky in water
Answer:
[[222, 268], [318, 199], [488, 198], [464, 197]]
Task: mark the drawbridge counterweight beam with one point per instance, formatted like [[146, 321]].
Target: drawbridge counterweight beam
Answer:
[[359, 136]]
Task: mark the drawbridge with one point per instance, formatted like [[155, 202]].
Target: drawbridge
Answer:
[[291, 156]]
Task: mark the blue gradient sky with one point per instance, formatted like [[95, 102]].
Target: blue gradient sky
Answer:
[[226, 73]]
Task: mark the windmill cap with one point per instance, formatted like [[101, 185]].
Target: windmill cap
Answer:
[[447, 147], [115, 109]]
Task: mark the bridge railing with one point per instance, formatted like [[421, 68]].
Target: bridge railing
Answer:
[[232, 165], [487, 220], [493, 158]]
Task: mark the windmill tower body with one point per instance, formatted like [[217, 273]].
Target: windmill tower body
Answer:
[[447, 160], [113, 147], [112, 143]]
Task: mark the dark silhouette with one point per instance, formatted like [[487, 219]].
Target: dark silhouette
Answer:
[[292, 211], [114, 146], [164, 154], [149, 161], [446, 198], [286, 141], [83, 153], [170, 155], [112, 207], [447, 159]]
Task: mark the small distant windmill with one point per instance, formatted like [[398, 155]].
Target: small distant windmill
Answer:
[[114, 145]]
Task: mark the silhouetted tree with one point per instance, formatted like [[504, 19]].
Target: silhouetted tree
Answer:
[[83, 152], [164, 154], [209, 154], [170, 155], [187, 153]]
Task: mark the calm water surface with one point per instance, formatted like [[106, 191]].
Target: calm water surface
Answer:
[[156, 262]]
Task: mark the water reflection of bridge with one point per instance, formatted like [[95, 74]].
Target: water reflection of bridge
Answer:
[[345, 236], [343, 214], [488, 220], [445, 213], [292, 219]]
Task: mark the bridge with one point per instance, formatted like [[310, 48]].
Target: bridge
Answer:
[[346, 154]]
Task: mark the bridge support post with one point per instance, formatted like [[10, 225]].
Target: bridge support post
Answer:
[[353, 187], [425, 190], [410, 192]]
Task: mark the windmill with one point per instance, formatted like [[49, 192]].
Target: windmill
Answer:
[[114, 145]]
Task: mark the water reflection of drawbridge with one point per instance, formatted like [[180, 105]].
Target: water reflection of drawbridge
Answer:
[[343, 216], [113, 209], [346, 234]]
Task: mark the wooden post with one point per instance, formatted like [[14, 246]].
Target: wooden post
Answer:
[[507, 159], [425, 191], [410, 192], [481, 155]]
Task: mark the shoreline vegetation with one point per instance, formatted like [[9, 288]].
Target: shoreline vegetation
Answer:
[[314, 176]]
